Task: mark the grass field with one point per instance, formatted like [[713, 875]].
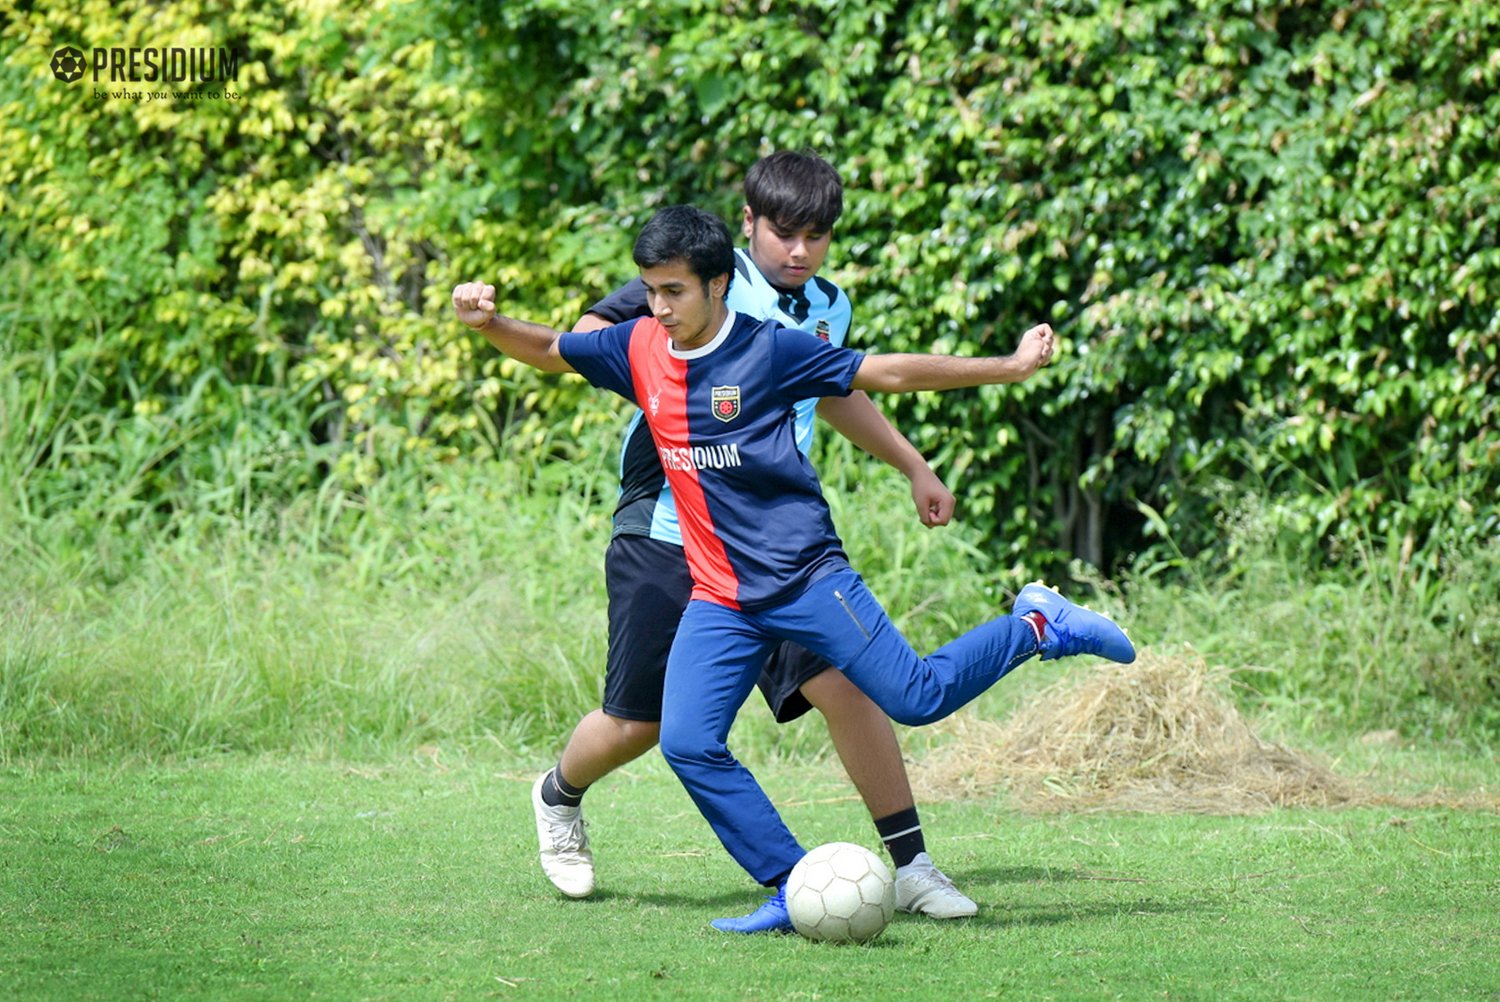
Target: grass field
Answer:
[[273, 878]]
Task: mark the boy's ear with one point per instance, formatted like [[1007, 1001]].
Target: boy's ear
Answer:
[[718, 286], [749, 227]]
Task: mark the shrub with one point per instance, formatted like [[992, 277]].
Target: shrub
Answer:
[[1266, 232]]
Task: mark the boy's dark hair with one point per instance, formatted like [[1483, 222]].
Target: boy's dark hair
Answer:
[[686, 233], [795, 190]]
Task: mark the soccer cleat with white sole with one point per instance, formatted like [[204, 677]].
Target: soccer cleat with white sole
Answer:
[[1071, 629], [923, 889], [566, 859]]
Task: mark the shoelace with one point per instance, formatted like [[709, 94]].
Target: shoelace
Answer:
[[568, 837], [932, 875], [941, 878]]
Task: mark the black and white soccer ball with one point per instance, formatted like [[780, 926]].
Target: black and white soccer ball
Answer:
[[840, 893]]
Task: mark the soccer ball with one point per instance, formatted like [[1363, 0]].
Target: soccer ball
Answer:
[[840, 893]]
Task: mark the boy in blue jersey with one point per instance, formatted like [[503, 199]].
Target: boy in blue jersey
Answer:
[[718, 390], [792, 201]]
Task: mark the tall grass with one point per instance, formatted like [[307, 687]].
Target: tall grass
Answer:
[[460, 601], [166, 590], [1374, 641], [421, 622]]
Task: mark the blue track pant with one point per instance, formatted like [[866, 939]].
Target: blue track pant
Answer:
[[718, 655]]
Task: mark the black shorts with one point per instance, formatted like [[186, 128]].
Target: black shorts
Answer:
[[648, 585], [787, 669]]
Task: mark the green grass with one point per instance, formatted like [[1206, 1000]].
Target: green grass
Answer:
[[465, 602], [260, 877], [447, 602], [220, 776]]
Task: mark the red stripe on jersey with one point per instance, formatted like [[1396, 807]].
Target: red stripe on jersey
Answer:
[[661, 390]]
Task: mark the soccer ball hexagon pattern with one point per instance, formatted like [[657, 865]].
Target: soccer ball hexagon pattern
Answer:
[[840, 893], [67, 64]]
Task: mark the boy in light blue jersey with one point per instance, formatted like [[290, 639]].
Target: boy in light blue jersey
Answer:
[[792, 202]]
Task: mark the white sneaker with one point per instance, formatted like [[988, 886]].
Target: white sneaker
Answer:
[[924, 889], [566, 859]]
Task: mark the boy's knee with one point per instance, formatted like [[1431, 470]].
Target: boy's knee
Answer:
[[831, 692], [688, 747], [638, 735], [678, 746]]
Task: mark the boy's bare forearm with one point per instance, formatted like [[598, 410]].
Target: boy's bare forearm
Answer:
[[904, 373], [858, 419], [525, 342]]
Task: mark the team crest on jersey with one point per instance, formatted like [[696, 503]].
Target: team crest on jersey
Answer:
[[726, 403], [823, 330], [654, 402]]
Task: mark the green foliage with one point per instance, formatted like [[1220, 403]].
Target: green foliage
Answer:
[[1266, 232], [300, 239]]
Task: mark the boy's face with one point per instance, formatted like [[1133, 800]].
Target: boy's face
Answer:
[[787, 257], [677, 299]]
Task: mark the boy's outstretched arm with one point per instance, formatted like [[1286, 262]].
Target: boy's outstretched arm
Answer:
[[907, 373], [534, 344], [858, 419]]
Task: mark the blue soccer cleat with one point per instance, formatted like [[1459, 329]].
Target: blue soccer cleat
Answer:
[[771, 916], [1069, 629]]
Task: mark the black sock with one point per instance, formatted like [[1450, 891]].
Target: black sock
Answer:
[[557, 792], [902, 834]]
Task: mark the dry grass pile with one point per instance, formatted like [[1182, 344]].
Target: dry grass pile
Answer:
[[1158, 735]]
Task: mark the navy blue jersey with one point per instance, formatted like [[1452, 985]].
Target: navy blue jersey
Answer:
[[645, 505], [755, 525]]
